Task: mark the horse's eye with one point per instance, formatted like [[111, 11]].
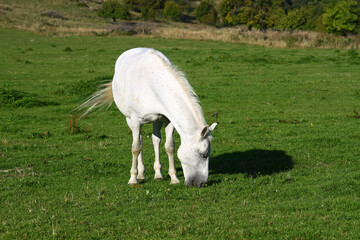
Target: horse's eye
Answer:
[[203, 155]]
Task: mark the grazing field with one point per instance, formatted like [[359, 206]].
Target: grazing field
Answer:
[[285, 158]]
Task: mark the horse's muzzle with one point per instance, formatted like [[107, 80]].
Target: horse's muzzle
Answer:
[[195, 183]]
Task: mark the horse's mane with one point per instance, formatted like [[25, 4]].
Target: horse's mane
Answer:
[[181, 78]]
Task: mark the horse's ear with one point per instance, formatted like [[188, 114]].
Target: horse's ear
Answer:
[[212, 127], [205, 131]]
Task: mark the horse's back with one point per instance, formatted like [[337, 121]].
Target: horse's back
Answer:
[[135, 55], [138, 73]]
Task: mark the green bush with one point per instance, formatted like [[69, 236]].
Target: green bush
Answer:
[[145, 5], [230, 12], [172, 11], [148, 13], [299, 19], [226, 7], [343, 18], [259, 14], [149, 9], [115, 10], [206, 12], [263, 14], [135, 5]]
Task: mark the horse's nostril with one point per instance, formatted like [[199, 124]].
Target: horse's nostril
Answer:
[[202, 184]]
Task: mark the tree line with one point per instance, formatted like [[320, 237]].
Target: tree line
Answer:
[[332, 16]]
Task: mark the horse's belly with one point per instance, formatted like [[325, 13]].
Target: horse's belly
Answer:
[[150, 118], [132, 106], [146, 110]]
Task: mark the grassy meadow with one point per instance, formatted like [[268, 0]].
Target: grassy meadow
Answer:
[[285, 157]]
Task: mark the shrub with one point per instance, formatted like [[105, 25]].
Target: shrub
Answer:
[[228, 9], [115, 10], [145, 5], [343, 18], [148, 13], [301, 19], [206, 12], [172, 11], [133, 4], [259, 14]]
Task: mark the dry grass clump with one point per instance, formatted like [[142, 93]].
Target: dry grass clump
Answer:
[[270, 38], [132, 28], [53, 14]]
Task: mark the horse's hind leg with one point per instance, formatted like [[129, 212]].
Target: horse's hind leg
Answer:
[[140, 166], [156, 138], [135, 127], [170, 149]]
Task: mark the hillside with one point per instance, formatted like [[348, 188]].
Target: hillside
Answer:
[[66, 17], [78, 17]]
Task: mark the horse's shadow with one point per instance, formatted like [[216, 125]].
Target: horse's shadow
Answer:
[[253, 163]]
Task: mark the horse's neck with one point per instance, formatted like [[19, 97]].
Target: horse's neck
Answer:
[[183, 120], [176, 96], [180, 110]]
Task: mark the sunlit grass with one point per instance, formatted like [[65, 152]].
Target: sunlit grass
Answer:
[[285, 160]]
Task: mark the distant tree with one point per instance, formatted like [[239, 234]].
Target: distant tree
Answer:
[[149, 9], [263, 13], [115, 10], [300, 18], [206, 12], [295, 4], [343, 18], [259, 14], [172, 11], [230, 9], [139, 5], [148, 13], [135, 5]]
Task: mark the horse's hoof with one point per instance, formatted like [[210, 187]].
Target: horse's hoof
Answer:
[[141, 177], [158, 177], [133, 181], [174, 181]]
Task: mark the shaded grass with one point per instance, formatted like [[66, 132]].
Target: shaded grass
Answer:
[[254, 162], [285, 161], [88, 87], [17, 98]]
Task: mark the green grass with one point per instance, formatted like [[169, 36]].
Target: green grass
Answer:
[[285, 157]]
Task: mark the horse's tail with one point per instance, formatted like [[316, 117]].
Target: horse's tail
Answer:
[[103, 97]]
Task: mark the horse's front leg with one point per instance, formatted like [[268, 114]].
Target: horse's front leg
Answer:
[[156, 138], [170, 150], [135, 127]]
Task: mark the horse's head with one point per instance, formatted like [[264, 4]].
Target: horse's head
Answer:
[[194, 155]]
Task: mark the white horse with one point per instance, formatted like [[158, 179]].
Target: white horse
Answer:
[[147, 88]]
